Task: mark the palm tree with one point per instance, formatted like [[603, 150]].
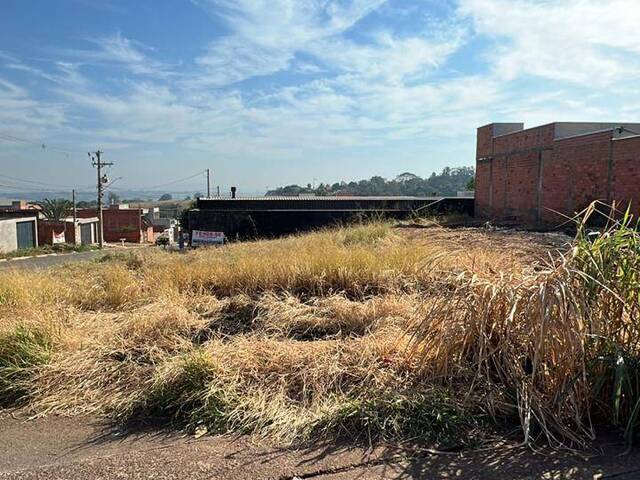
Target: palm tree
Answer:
[[55, 209]]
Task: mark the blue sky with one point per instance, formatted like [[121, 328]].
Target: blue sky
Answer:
[[272, 92]]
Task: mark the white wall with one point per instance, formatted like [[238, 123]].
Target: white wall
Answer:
[[9, 233]]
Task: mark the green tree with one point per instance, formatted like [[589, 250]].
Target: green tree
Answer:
[[55, 209], [166, 196], [113, 198], [471, 184], [446, 183], [85, 204]]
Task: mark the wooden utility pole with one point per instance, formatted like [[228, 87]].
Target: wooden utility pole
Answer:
[[208, 185], [75, 217], [97, 162]]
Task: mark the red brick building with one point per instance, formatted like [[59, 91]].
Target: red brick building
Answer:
[[539, 174], [83, 232], [126, 224]]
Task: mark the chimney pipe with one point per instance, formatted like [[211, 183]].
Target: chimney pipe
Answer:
[[233, 192]]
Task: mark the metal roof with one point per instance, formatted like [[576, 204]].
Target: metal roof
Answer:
[[319, 198]]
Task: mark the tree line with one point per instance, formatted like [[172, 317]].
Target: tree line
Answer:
[[447, 183]]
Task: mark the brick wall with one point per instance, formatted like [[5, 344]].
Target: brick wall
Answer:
[[483, 187], [574, 176], [626, 174], [507, 177], [531, 178], [119, 224], [46, 229], [484, 141]]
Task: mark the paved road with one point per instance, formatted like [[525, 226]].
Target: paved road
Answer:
[[51, 260], [80, 448]]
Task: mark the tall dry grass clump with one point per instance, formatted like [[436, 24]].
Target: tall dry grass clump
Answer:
[[558, 347]]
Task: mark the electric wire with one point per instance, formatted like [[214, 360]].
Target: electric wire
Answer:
[[173, 182], [34, 182], [43, 145]]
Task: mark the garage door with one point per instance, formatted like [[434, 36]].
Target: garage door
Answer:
[[85, 233], [26, 234]]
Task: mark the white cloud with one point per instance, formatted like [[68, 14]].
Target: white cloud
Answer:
[[385, 88], [21, 114], [387, 57], [266, 34], [581, 41], [117, 50]]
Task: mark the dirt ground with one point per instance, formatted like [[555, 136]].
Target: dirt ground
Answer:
[[530, 245], [63, 448]]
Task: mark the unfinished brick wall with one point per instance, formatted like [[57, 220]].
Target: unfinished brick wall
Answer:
[[507, 169], [626, 173], [47, 228], [483, 187], [120, 224], [532, 178], [575, 175]]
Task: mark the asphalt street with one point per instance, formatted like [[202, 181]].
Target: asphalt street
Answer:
[[51, 260], [80, 448]]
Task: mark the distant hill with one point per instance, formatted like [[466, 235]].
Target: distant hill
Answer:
[[446, 183]]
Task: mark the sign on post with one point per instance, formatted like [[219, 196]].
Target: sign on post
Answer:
[[203, 237]]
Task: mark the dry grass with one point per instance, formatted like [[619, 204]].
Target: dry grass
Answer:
[[306, 336], [558, 346]]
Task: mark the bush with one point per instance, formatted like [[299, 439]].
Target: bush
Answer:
[[22, 350]]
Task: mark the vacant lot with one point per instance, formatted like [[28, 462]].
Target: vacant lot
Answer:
[[433, 335]]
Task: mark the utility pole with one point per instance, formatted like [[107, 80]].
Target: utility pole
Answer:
[[97, 162], [208, 185], [218, 188], [75, 217]]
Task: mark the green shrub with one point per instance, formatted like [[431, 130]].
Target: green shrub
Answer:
[[415, 414], [608, 261], [21, 351]]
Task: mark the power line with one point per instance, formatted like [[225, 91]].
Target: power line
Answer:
[[170, 183], [35, 182], [43, 145], [21, 188], [35, 188]]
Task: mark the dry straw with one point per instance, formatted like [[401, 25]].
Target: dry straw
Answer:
[[360, 331]]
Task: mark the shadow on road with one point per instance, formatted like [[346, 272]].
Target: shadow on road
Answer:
[[71, 448]]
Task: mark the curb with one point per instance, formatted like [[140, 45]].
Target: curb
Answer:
[[17, 259]]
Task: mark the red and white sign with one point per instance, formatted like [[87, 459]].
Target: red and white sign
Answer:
[[202, 237], [58, 237]]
